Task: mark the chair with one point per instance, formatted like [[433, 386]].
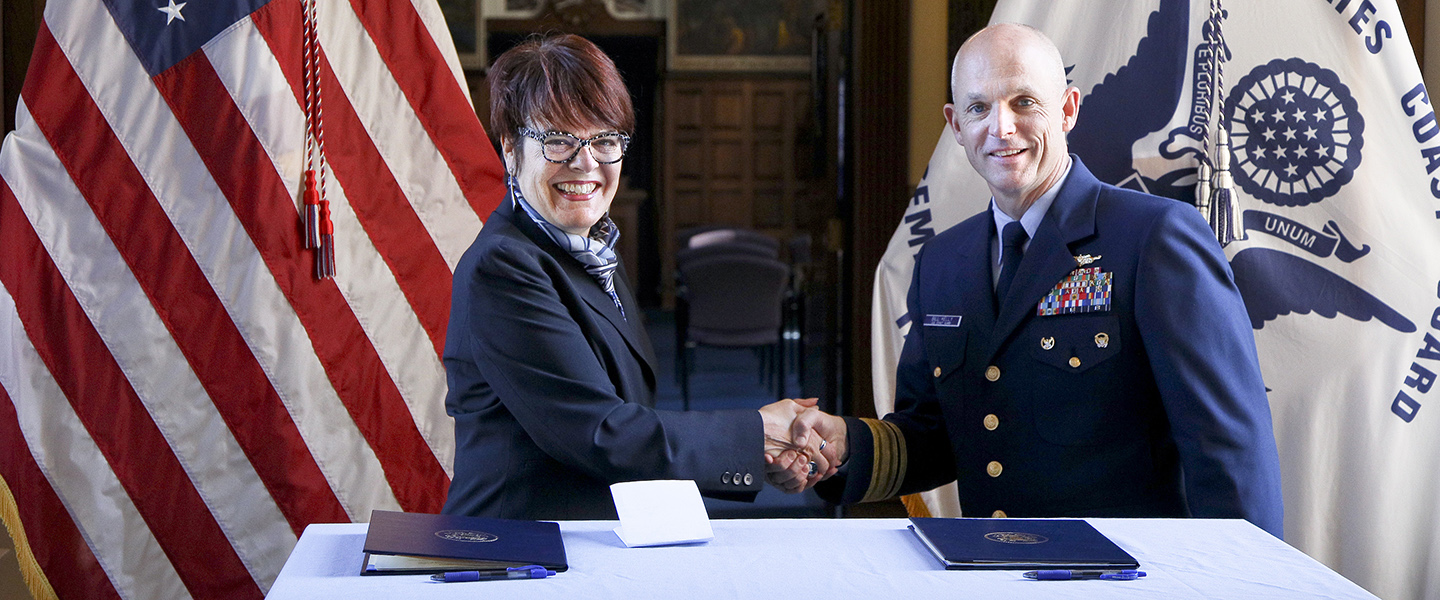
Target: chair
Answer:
[[736, 236], [686, 255], [730, 297], [683, 236], [696, 243]]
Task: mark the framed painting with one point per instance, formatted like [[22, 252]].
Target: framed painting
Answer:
[[740, 35], [466, 18]]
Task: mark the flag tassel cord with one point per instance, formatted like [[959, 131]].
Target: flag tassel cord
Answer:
[[30, 572], [1215, 196], [319, 229], [1223, 205]]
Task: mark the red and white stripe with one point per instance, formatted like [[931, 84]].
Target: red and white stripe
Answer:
[[185, 396]]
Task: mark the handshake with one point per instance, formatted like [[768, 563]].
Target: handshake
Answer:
[[803, 445]]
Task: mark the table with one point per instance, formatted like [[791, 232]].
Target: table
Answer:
[[837, 558]]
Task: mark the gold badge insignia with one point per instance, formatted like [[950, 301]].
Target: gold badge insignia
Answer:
[[1016, 537], [466, 535], [1102, 340], [1086, 259], [1047, 343]]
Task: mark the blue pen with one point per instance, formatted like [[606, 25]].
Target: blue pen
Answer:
[[1064, 574], [525, 572]]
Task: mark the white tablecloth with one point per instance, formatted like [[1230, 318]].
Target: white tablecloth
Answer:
[[837, 558]]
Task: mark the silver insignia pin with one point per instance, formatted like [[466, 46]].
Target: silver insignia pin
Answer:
[[1086, 259]]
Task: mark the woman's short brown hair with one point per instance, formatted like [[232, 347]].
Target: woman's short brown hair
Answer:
[[562, 80]]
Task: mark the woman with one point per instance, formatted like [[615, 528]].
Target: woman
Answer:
[[551, 375]]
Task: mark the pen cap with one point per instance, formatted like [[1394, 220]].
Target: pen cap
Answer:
[[535, 571], [1126, 575]]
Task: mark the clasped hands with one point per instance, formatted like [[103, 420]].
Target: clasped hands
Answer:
[[798, 435]]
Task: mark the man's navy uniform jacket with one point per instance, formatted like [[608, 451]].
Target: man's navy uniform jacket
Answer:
[[1150, 405]]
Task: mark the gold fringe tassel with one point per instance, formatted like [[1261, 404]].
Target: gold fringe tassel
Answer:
[[915, 505], [30, 572]]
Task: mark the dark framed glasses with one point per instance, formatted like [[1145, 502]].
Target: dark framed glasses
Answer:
[[560, 147]]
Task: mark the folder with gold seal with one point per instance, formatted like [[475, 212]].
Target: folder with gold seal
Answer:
[[1019, 544], [400, 543]]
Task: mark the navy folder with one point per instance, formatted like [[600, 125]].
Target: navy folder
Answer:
[[401, 543], [1020, 544]]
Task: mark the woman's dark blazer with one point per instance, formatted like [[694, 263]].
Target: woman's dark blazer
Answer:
[[552, 390]]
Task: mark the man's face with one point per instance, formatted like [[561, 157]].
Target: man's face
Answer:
[[1011, 113]]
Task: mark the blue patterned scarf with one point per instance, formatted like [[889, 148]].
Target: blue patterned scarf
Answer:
[[596, 252]]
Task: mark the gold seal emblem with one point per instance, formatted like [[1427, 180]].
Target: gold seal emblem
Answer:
[[1016, 537], [466, 535], [1047, 343], [1102, 340]]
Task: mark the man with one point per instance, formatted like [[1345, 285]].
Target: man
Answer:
[[1077, 349]]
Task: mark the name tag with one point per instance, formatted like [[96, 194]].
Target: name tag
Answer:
[[942, 320]]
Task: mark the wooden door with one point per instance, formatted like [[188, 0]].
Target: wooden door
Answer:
[[734, 154]]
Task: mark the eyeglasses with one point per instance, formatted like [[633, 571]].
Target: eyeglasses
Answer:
[[560, 147]]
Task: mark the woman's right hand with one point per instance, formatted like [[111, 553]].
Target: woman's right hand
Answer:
[[788, 463]]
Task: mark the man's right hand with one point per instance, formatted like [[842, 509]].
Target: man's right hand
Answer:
[[825, 434]]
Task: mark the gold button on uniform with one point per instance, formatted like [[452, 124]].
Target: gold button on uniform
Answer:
[[994, 468], [992, 373], [1075, 362], [991, 422], [999, 514], [937, 371]]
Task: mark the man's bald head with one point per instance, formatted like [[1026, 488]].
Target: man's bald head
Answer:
[[1011, 38], [1011, 111]]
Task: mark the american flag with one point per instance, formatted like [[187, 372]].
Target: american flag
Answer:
[[179, 395]]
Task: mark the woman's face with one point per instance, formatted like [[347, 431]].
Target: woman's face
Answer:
[[573, 195]]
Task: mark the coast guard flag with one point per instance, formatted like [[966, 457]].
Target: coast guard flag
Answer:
[[1336, 160], [179, 396]]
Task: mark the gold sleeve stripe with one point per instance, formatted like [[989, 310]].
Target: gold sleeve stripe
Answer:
[[888, 470]]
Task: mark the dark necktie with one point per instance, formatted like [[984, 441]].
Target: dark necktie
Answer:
[[1012, 240]]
